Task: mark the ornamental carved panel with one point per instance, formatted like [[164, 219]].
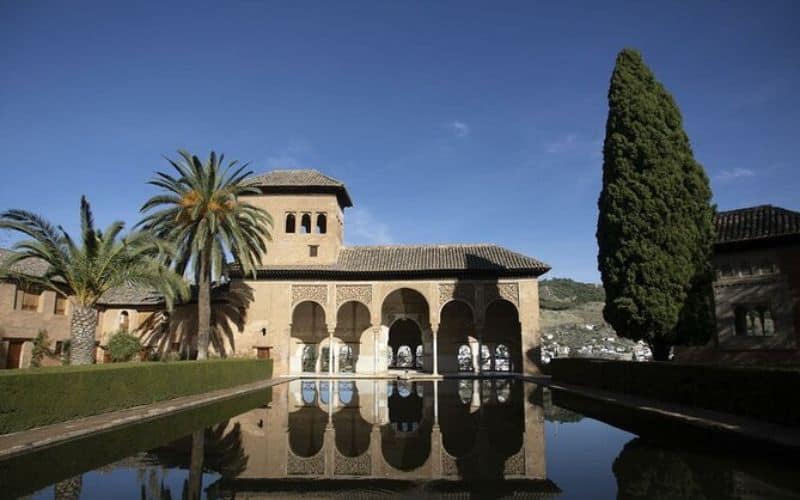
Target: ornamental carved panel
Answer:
[[449, 464], [353, 466], [515, 464], [317, 293], [449, 291], [359, 293], [507, 291], [311, 466]]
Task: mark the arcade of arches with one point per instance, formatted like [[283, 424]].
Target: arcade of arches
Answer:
[[406, 334]]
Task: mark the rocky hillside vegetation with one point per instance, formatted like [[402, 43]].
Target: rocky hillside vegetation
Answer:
[[573, 326]]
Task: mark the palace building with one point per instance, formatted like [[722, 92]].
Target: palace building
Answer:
[[319, 306]]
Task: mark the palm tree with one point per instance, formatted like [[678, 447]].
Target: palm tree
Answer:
[[83, 273], [201, 213]]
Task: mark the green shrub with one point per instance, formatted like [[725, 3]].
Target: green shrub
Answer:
[[123, 346], [756, 392], [41, 396], [41, 348]]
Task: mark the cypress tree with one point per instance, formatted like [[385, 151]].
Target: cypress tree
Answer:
[[655, 226]]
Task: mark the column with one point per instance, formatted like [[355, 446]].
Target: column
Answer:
[[330, 351], [435, 331], [479, 355]]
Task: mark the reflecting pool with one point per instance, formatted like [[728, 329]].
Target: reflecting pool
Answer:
[[376, 438]]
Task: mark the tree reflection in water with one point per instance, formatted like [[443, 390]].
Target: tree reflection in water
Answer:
[[646, 469]]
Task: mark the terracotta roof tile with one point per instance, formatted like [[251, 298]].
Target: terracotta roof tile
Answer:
[[307, 180], [756, 223]]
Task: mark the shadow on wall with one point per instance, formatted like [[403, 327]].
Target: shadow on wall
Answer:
[[176, 332], [496, 326]]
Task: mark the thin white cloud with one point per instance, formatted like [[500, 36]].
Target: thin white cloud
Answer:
[[361, 228], [458, 128], [734, 173]]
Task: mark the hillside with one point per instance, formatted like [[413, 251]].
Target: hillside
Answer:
[[573, 326]]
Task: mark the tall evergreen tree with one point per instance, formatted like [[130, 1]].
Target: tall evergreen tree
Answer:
[[655, 227]]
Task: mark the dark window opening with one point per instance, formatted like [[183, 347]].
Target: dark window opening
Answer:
[[313, 250], [753, 320], [322, 224], [61, 305], [290, 223], [305, 224]]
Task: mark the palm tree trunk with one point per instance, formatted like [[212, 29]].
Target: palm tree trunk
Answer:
[[196, 464], [660, 350], [83, 327], [204, 306]]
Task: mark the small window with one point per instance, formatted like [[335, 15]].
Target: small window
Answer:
[[59, 348], [465, 358], [61, 305], [30, 300], [305, 224], [124, 321], [322, 224], [313, 250], [290, 223], [753, 320]]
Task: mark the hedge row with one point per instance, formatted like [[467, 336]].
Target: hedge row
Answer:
[[34, 397], [765, 393]]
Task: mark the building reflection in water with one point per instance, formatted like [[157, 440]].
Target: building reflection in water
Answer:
[[393, 430]]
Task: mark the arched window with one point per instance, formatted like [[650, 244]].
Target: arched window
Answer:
[[322, 224], [769, 323], [486, 390], [346, 364], [403, 388], [124, 321], [305, 224], [404, 357], [503, 391], [465, 358], [309, 392], [346, 391], [309, 358], [502, 358], [325, 360], [465, 391], [325, 392], [486, 358], [291, 223], [418, 357]]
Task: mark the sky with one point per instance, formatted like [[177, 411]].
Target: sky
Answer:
[[449, 122]]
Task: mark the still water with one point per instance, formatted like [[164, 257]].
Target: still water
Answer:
[[375, 438]]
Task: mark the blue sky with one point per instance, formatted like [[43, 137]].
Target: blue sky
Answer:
[[448, 121]]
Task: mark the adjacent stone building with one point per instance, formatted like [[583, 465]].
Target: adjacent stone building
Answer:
[[757, 288], [316, 305]]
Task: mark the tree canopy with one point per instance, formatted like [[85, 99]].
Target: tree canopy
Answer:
[[655, 226]]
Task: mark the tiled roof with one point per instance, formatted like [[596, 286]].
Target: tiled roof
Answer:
[[756, 223], [301, 181], [32, 267], [418, 260], [124, 295]]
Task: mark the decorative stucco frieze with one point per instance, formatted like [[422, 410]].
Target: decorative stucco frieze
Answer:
[[507, 291], [353, 466], [515, 464], [311, 466], [317, 293], [449, 464], [359, 293], [450, 291]]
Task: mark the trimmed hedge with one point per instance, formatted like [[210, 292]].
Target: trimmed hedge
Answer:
[[34, 397], [764, 393]]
